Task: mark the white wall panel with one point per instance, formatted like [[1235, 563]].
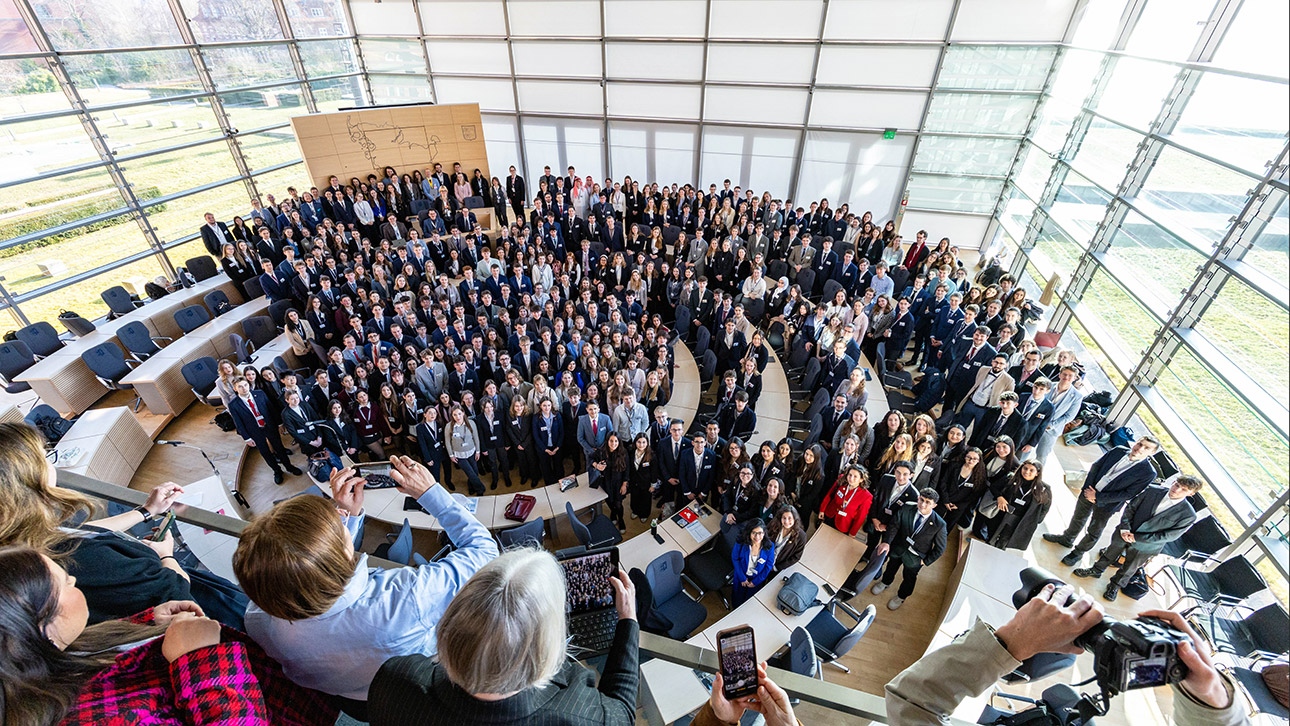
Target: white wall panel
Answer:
[[654, 100], [867, 109], [463, 17], [877, 66], [555, 17], [655, 19], [758, 159], [756, 105], [965, 231], [393, 17], [886, 20], [559, 143], [537, 58], [662, 61], [488, 57], [770, 63], [766, 18], [996, 20], [561, 97], [491, 94], [863, 170], [652, 152], [502, 141]]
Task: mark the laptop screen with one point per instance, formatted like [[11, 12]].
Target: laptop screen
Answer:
[[586, 580]]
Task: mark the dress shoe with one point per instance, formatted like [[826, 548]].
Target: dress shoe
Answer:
[[1088, 572], [1112, 592], [295, 471], [1072, 558], [1058, 539], [277, 477]]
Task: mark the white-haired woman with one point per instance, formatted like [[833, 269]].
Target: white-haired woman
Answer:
[[503, 657]]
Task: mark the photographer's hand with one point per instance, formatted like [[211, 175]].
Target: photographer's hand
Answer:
[[1202, 679], [1045, 625]]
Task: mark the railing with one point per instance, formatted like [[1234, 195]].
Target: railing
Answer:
[[844, 701]]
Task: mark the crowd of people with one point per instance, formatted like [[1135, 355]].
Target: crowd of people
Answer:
[[540, 348]]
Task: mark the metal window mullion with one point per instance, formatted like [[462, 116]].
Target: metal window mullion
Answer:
[[293, 50], [1202, 292], [92, 131], [207, 81], [1146, 156], [927, 110], [8, 303], [425, 48], [519, 117], [703, 95], [604, 98], [358, 50], [796, 178]]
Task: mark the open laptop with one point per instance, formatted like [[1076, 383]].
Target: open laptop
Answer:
[[589, 599]]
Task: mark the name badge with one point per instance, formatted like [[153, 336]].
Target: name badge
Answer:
[[887, 510], [910, 541], [927, 468], [1020, 502], [1040, 415], [967, 366]]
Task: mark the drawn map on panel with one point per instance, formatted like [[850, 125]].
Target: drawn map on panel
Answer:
[[369, 137]]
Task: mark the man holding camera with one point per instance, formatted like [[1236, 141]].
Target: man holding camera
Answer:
[[928, 691], [1152, 519], [1120, 475]]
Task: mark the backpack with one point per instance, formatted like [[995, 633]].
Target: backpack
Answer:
[[797, 595], [321, 465], [1101, 398], [52, 427], [154, 291], [224, 420], [1122, 436]]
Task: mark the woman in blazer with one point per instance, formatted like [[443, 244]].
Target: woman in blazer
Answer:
[[642, 477], [339, 435], [754, 560], [1022, 504], [516, 427], [960, 488], [611, 461], [847, 505], [493, 455], [789, 537]]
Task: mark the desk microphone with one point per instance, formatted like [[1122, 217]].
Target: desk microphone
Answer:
[[170, 443]]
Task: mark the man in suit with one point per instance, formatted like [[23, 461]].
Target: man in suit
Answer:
[[901, 331], [915, 539], [941, 335], [549, 179], [961, 377], [1003, 420], [990, 384], [1117, 477], [270, 283], [1153, 519], [393, 229], [1025, 374], [215, 235], [823, 266], [1036, 411], [737, 420], [800, 256], [893, 491], [516, 192], [254, 421], [696, 471], [669, 452], [593, 429], [611, 236]]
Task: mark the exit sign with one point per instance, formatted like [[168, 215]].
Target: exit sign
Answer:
[[889, 134]]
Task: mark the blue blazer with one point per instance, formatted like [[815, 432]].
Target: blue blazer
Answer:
[[540, 430], [693, 482], [765, 563], [1129, 484]]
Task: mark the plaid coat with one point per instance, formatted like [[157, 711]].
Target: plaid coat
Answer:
[[230, 683]]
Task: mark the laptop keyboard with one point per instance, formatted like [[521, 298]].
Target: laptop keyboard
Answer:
[[593, 631]]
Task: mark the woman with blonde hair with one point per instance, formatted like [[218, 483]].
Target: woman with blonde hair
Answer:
[[227, 376], [503, 654], [120, 575], [901, 449]]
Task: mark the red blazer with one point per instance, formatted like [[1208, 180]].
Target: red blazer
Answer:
[[848, 511]]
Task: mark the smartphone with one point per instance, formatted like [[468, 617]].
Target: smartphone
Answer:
[[377, 474], [829, 589], [166, 523], [737, 657]]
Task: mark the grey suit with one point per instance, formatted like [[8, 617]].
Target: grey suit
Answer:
[[1151, 532], [590, 442], [801, 255]]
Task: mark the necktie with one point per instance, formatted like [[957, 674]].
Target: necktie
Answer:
[[259, 420], [918, 523], [595, 430], [971, 354]]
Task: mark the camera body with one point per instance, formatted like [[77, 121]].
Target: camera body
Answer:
[[1127, 655]]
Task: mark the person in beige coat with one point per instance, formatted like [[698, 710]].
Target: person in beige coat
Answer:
[[927, 692], [991, 383]]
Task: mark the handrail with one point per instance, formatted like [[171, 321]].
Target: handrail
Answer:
[[832, 696]]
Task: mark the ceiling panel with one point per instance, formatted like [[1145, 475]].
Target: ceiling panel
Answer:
[[867, 109], [662, 61], [1008, 20], [764, 63], [488, 57], [877, 65], [755, 105], [886, 20], [766, 19], [655, 19], [546, 58], [654, 100]]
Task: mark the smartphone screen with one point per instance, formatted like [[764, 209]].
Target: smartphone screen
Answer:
[[586, 580], [737, 655]]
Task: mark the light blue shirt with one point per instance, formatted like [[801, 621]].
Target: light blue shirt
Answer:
[[882, 286], [381, 614]]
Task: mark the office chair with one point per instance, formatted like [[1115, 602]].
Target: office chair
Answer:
[[710, 569], [398, 546], [260, 330], [109, 365], [833, 639], [528, 533], [201, 268], [670, 600], [15, 357], [600, 532], [217, 302], [40, 337], [192, 317], [119, 301], [140, 341]]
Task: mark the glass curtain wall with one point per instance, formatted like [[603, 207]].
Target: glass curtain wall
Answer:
[[125, 120], [1152, 187]]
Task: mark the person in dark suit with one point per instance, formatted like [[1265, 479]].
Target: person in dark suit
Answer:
[[298, 417], [506, 614], [738, 420], [429, 435], [961, 375], [1004, 420], [516, 192], [1117, 477], [696, 470], [270, 283], [1036, 412], [252, 417], [893, 491], [668, 454], [215, 235], [901, 331], [548, 437], [915, 539], [1154, 518], [593, 429]]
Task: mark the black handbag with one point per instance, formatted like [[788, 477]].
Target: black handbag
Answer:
[[75, 324]]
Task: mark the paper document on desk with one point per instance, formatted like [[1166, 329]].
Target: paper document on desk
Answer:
[[470, 503], [69, 457], [698, 531]]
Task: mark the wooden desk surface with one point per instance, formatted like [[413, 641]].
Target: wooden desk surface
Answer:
[[643, 549], [832, 555], [770, 634], [541, 508]]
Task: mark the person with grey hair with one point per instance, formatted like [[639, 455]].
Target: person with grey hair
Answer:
[[503, 657]]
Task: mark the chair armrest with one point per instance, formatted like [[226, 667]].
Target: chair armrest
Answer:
[[849, 610], [442, 553], [155, 338], [825, 653]]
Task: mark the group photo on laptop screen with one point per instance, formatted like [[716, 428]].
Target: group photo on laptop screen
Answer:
[[587, 581]]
